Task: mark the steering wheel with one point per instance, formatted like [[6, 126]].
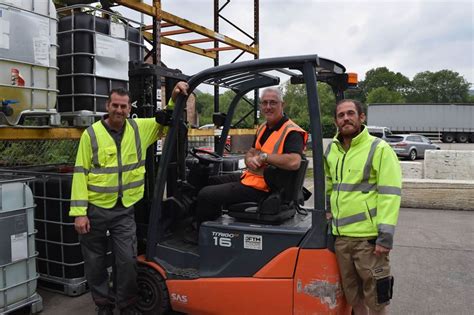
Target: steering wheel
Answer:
[[206, 157]]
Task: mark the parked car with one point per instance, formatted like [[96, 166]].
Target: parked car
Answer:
[[411, 146], [379, 132]]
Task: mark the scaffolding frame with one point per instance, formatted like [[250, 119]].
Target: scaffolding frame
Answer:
[[167, 26]]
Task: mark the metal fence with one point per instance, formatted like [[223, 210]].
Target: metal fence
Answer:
[[18, 153]]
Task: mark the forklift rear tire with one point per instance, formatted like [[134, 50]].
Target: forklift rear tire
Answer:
[[152, 291]]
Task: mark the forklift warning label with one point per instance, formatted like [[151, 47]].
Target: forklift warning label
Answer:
[[253, 241]]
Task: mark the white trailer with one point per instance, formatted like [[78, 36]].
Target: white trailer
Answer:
[[449, 122]]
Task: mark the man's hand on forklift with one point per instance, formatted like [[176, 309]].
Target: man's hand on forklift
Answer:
[[164, 117], [82, 225], [180, 88]]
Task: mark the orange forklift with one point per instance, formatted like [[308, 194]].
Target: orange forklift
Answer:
[[273, 256]]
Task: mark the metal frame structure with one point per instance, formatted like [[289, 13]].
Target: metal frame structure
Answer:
[[183, 26], [175, 25]]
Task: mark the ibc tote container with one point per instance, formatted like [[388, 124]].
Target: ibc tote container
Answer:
[[93, 57], [28, 51], [59, 261], [17, 247]]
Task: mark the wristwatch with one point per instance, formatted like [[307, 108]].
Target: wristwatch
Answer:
[[264, 156]]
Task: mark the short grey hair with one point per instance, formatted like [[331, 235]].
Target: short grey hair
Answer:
[[275, 90]]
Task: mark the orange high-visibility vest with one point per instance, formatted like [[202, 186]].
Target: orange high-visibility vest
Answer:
[[273, 145]]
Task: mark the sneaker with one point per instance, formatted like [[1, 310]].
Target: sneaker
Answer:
[[105, 310], [130, 310]]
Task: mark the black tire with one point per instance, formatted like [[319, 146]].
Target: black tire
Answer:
[[462, 137], [448, 137], [412, 155], [153, 293]]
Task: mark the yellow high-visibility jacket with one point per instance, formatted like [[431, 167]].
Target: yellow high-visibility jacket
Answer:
[[363, 186], [102, 175]]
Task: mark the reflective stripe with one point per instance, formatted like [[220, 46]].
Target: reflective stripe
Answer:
[[363, 187], [130, 167], [95, 146], [79, 203], [359, 217], [138, 144], [80, 169], [328, 149], [115, 189], [389, 190], [386, 228], [282, 136], [260, 130], [115, 169], [370, 158]]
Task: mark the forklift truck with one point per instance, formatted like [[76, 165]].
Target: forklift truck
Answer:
[[254, 259]]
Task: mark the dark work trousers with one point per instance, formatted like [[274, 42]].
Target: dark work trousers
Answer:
[[120, 222], [223, 190]]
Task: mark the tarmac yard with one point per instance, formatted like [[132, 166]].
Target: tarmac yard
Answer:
[[432, 262]]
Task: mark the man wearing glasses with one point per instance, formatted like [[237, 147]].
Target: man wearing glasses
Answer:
[[278, 142]]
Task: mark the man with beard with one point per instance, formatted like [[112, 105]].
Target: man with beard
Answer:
[[363, 186]]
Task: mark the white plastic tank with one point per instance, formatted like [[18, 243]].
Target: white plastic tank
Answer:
[[18, 276], [28, 66]]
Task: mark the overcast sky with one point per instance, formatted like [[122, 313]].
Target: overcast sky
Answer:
[[405, 36]]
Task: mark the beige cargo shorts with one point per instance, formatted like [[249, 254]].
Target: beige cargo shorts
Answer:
[[364, 275]]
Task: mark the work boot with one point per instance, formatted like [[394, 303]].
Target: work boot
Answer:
[[105, 310], [130, 310]]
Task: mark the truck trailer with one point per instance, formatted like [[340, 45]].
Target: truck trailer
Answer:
[[448, 122]]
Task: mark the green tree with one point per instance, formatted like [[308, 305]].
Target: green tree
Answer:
[[439, 87], [205, 108], [297, 106], [384, 95], [383, 77]]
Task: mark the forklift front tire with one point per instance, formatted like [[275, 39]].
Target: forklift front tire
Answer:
[[153, 294]]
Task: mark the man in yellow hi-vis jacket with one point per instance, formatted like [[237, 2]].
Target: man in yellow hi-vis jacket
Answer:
[[108, 180], [363, 186]]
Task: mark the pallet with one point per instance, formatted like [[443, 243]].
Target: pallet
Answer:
[[69, 287], [33, 304]]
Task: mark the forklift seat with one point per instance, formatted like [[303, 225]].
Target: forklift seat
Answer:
[[286, 194]]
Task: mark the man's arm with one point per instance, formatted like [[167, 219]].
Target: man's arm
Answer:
[[389, 183], [153, 129], [290, 159], [79, 193], [285, 161]]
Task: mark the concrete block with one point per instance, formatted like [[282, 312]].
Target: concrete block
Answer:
[[412, 169], [452, 164], [438, 194]]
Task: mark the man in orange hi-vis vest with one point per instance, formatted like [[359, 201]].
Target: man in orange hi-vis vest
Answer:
[[278, 142]]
